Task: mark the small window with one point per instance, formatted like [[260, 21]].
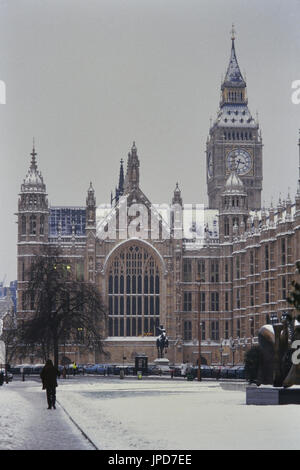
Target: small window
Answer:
[[187, 330], [214, 301], [267, 261], [187, 301], [267, 292], [187, 270], [226, 329], [283, 287], [201, 270], [238, 327], [23, 225], [32, 225], [238, 298], [215, 330], [226, 301], [202, 301]]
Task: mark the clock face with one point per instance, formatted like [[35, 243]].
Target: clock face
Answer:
[[209, 165], [239, 160]]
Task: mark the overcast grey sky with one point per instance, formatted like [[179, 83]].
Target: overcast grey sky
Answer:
[[87, 77]]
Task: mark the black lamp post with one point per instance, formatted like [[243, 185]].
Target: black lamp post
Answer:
[[199, 331], [221, 352], [233, 349]]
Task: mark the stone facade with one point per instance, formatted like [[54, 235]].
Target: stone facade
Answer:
[[219, 280]]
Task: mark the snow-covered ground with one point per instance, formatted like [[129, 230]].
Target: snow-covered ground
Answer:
[[143, 414]]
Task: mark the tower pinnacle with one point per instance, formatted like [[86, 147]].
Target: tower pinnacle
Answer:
[[33, 154], [132, 175], [232, 33], [33, 180]]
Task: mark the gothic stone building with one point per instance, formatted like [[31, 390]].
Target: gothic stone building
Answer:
[[217, 281]]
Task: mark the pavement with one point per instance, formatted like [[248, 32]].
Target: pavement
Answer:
[[27, 424]]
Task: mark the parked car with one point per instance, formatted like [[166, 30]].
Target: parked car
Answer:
[[232, 372], [17, 369], [240, 373], [220, 372], [177, 372], [116, 370], [89, 368], [236, 372], [37, 369], [206, 371], [154, 370], [129, 370]]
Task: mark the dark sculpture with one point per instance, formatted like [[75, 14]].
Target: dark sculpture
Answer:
[[271, 361], [162, 342]]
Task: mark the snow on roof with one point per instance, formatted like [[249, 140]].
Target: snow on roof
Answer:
[[235, 115]]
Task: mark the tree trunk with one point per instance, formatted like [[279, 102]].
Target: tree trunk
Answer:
[[55, 350]]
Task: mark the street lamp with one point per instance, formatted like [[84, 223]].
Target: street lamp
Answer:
[[221, 353], [233, 349], [79, 339], [198, 280]]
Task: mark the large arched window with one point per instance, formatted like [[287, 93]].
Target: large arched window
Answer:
[[133, 293]]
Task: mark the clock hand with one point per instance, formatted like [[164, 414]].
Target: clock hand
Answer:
[[238, 162]]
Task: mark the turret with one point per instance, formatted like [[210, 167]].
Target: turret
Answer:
[[91, 207], [90, 231], [177, 214], [177, 199], [233, 207], [33, 209], [33, 216]]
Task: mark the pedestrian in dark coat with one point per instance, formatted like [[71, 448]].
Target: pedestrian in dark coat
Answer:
[[49, 376]]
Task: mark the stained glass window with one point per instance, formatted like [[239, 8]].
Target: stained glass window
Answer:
[[133, 284]]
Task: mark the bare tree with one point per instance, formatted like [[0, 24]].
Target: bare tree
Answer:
[[60, 305], [9, 336]]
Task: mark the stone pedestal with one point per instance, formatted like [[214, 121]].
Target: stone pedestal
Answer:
[[272, 396], [163, 364]]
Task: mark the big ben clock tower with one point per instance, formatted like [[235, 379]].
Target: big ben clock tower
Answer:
[[234, 140]]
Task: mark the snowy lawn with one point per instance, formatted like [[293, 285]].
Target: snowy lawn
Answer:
[[166, 414]]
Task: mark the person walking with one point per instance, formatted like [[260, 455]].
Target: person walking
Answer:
[[49, 376]]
